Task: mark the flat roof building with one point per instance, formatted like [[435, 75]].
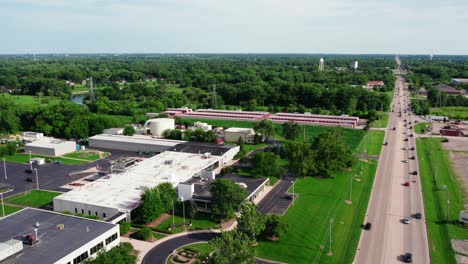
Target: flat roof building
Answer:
[[132, 143], [38, 236], [50, 147], [120, 193], [233, 134]]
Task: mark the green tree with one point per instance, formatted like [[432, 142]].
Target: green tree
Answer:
[[150, 206], [265, 164], [121, 254], [331, 153], [232, 247], [129, 130], [11, 148], [240, 143], [275, 226], [227, 197], [301, 158], [265, 128], [251, 221], [291, 130]]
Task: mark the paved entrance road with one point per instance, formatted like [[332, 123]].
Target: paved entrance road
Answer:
[[391, 201], [275, 202]]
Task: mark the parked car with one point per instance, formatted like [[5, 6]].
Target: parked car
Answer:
[[406, 220], [445, 140], [394, 128], [29, 179], [28, 171], [407, 184], [405, 161], [412, 148], [408, 258], [418, 215], [368, 226], [58, 162]]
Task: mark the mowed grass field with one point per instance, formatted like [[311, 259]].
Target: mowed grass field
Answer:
[[9, 209], [419, 127], [382, 123], [83, 154], [440, 231], [35, 198], [454, 112], [201, 221], [319, 201], [30, 99]]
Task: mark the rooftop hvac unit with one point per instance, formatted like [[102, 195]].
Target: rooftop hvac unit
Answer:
[[168, 162], [207, 155]]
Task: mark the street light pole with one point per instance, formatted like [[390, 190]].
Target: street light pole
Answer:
[[3, 206], [4, 169], [37, 179], [183, 207], [330, 237], [30, 161]]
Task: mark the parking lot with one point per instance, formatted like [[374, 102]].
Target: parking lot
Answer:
[[52, 176]]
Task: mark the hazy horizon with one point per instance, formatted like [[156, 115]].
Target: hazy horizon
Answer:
[[242, 27]]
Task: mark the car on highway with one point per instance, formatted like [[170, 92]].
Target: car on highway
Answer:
[[412, 158], [411, 135], [406, 139], [385, 143], [405, 161], [406, 220], [368, 226], [412, 148], [394, 128], [408, 257], [418, 215], [415, 172], [407, 183], [30, 179]]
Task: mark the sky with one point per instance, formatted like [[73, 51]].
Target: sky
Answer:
[[235, 26]]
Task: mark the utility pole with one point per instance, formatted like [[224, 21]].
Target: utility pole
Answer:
[[293, 192], [30, 161], [448, 205], [435, 175], [350, 188], [173, 215], [3, 206]]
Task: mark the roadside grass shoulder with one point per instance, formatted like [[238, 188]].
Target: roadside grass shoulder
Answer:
[[10, 209], [35, 198], [382, 123], [420, 127], [440, 232], [319, 201], [83, 154]]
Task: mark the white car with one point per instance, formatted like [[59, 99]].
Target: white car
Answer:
[[406, 220]]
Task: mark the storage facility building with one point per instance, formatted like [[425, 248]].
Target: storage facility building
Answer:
[[132, 143], [53, 147], [233, 134], [39, 236]]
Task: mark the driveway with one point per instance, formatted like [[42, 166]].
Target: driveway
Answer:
[[275, 202]]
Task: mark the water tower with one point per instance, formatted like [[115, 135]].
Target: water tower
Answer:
[[321, 64]]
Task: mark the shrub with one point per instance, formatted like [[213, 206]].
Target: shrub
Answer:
[[143, 234], [124, 227]]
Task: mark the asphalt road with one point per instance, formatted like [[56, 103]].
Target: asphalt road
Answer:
[[159, 254], [275, 202], [391, 201]]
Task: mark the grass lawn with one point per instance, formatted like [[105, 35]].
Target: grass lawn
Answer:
[[28, 100], [454, 112], [320, 200], [440, 232], [250, 147], [83, 154], [419, 127], [35, 198], [158, 235], [371, 141], [382, 123], [201, 221], [9, 209], [203, 248], [24, 158]]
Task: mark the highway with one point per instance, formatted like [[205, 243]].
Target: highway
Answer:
[[389, 238]]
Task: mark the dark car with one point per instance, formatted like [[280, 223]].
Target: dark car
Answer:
[[368, 226], [288, 196], [405, 139], [411, 135], [408, 258], [415, 172], [394, 128], [30, 179], [412, 148], [406, 184], [385, 143], [418, 215], [28, 171], [412, 158], [58, 162], [445, 140]]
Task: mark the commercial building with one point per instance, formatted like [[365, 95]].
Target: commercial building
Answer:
[[199, 189], [225, 152], [460, 80], [39, 236], [132, 143], [50, 147], [115, 196], [32, 136], [311, 119], [443, 88], [233, 134], [450, 130]]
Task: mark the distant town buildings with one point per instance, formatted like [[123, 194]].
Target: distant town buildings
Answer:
[[354, 65], [443, 88]]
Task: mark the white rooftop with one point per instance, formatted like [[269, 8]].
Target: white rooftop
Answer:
[[48, 142], [239, 129], [123, 190], [142, 139]]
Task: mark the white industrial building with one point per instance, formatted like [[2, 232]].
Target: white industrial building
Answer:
[[234, 133], [113, 197], [132, 143], [39, 236], [32, 136], [53, 147]]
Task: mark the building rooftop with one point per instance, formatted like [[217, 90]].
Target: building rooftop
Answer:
[[203, 189], [201, 148], [54, 244], [447, 89], [142, 139], [239, 130], [123, 190], [48, 142]]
